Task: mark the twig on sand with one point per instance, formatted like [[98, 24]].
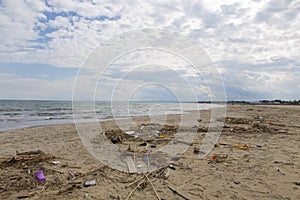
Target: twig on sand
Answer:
[[135, 181], [153, 187], [91, 172], [178, 193], [2, 188], [135, 189]]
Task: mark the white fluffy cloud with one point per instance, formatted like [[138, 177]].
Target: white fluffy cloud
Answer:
[[244, 38]]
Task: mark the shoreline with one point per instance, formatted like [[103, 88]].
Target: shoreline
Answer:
[[268, 169]]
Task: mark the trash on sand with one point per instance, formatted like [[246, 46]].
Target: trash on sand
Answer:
[[143, 144], [243, 147], [115, 140], [130, 164], [145, 159], [195, 126], [161, 136], [214, 156], [40, 176], [89, 183], [55, 162], [153, 146], [197, 151], [259, 146], [237, 182], [24, 196], [171, 166], [297, 183], [129, 132]]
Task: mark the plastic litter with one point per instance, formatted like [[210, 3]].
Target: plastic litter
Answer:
[[243, 147], [145, 159], [55, 162], [114, 140], [171, 166], [40, 176], [153, 146], [89, 183], [129, 132]]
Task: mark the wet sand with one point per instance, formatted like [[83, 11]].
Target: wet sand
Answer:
[[269, 168]]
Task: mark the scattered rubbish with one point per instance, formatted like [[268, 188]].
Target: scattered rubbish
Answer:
[[259, 146], [223, 144], [297, 183], [153, 146], [143, 144], [72, 175], [260, 118], [171, 166], [195, 126], [243, 147], [199, 120], [24, 196], [40, 176], [129, 132], [55, 162], [140, 165], [161, 136], [218, 159], [115, 140], [38, 152], [196, 150], [89, 183], [131, 165], [145, 159], [237, 182]]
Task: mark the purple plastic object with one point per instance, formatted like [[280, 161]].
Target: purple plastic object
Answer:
[[40, 176]]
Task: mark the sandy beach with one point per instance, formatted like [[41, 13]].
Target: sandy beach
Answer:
[[256, 157]]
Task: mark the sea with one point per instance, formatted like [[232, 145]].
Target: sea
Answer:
[[15, 114]]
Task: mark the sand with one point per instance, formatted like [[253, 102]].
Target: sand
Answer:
[[268, 169]]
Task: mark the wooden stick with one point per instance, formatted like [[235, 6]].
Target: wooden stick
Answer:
[[153, 188], [135, 182], [90, 172], [134, 189], [176, 192]]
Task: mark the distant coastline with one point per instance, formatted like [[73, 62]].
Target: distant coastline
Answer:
[[261, 102]]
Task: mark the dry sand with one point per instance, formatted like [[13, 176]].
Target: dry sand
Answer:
[[268, 169]]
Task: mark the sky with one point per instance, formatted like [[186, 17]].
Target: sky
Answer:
[[253, 45]]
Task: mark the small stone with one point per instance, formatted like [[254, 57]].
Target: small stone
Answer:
[[237, 182]]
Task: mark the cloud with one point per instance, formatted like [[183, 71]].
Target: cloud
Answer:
[[249, 39]]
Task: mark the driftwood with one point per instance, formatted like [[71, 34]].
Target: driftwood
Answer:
[[178, 193], [153, 187], [132, 191], [30, 153]]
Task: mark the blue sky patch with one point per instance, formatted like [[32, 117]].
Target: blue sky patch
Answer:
[[37, 71]]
